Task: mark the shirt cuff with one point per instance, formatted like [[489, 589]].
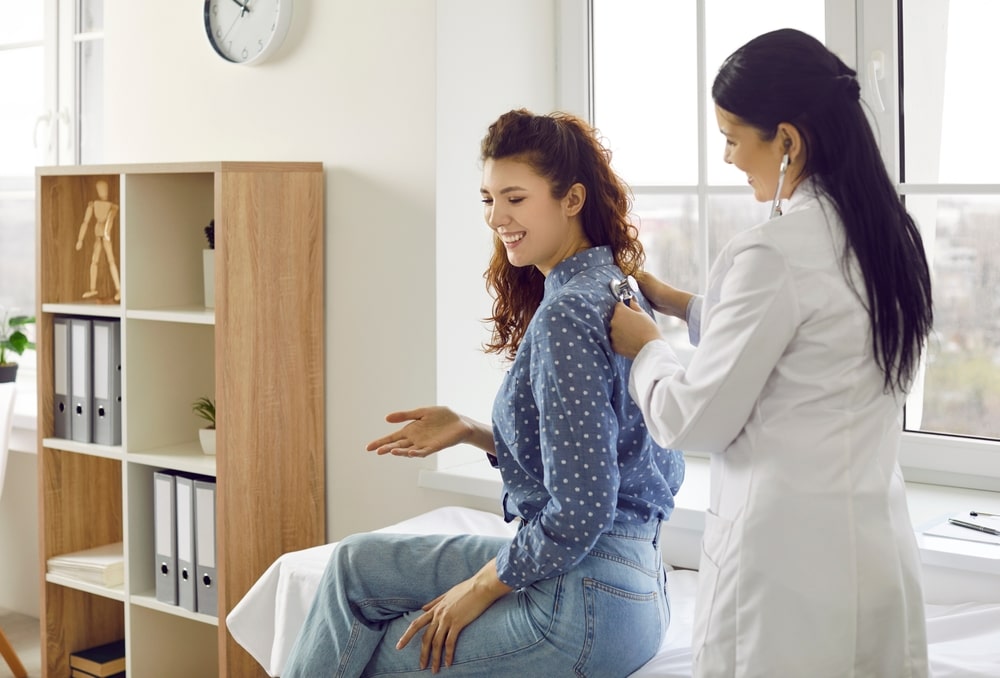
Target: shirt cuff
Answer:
[[693, 315]]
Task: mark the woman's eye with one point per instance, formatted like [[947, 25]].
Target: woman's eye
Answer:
[[514, 201], [487, 201]]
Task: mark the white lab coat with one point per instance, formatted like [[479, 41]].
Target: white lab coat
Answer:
[[809, 566]]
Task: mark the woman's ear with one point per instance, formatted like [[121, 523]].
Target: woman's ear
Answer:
[[576, 196], [790, 140]]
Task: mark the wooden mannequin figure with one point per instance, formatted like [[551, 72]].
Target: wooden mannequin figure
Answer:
[[104, 213]]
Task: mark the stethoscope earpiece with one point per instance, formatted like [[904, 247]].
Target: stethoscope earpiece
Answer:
[[624, 289]]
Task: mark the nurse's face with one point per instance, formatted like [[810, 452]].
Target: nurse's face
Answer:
[[535, 228], [760, 159]]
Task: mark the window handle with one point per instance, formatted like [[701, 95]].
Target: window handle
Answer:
[[876, 72], [47, 119], [66, 119]]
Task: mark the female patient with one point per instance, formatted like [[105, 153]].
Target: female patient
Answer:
[[810, 334], [579, 590]]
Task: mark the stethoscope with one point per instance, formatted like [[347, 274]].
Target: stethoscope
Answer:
[[625, 289], [776, 204]]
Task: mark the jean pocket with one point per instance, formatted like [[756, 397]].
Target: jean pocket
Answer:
[[624, 630]]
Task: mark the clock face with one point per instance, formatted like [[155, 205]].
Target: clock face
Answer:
[[247, 31]]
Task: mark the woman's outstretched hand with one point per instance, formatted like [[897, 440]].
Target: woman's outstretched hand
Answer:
[[631, 329], [430, 429]]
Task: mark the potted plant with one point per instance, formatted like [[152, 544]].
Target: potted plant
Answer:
[[13, 339], [208, 265], [205, 408]]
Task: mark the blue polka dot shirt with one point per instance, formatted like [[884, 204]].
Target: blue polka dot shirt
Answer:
[[571, 445]]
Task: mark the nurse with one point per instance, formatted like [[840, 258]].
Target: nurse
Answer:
[[808, 339]]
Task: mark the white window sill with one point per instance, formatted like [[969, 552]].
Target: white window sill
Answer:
[[955, 570]]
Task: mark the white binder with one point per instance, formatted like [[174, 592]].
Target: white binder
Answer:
[[204, 550], [186, 592], [81, 379], [107, 405], [62, 421], [165, 536]]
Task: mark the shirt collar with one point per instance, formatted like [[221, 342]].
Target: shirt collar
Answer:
[[581, 261], [805, 194]]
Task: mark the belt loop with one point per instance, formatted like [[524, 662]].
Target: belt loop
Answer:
[[656, 535]]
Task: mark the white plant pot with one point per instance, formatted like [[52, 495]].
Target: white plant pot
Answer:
[[208, 263], [207, 437]]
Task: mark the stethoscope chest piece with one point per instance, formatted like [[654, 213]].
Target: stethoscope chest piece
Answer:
[[624, 289]]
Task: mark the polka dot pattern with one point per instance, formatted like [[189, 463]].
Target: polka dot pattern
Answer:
[[572, 448]]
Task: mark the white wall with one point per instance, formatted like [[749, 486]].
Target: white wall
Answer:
[[390, 95]]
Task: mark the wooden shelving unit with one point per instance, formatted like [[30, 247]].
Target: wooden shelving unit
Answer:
[[259, 351]]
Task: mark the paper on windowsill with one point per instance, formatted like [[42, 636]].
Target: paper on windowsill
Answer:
[[946, 529]]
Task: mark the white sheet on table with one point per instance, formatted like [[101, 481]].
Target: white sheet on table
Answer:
[[964, 640]]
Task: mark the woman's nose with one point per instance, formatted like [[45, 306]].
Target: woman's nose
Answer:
[[494, 217]]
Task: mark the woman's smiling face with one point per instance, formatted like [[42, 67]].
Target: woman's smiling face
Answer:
[[759, 159], [535, 228]]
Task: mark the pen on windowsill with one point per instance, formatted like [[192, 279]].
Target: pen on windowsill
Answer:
[[973, 526]]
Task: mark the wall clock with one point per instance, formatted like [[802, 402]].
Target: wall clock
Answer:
[[247, 31]]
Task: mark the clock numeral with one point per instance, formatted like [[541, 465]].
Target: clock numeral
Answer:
[[260, 46], [244, 54]]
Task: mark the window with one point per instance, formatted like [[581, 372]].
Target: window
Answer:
[[652, 67], [953, 190], [51, 64]]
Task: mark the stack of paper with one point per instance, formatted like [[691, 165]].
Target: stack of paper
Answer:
[[102, 565], [968, 526]]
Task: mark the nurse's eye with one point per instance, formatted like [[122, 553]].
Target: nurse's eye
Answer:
[[515, 201], [487, 201]]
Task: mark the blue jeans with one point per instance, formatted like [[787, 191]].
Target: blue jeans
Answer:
[[604, 618]]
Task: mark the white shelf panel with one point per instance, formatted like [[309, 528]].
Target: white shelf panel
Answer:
[[101, 310], [113, 592], [183, 457], [106, 451], [148, 600], [196, 315]]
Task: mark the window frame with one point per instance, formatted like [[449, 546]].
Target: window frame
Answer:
[[857, 32]]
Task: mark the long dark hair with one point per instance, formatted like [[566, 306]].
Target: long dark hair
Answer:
[[788, 76], [565, 150]]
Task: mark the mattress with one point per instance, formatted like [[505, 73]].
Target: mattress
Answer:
[[964, 640]]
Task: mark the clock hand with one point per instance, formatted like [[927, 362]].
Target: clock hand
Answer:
[[231, 27], [244, 6]]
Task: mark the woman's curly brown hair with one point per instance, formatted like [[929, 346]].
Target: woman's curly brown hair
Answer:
[[565, 150]]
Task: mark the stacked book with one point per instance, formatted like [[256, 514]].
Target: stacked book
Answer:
[[101, 565], [103, 661]]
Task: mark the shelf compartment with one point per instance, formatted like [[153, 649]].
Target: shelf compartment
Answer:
[[75, 620], [63, 202], [170, 365], [192, 650], [166, 216]]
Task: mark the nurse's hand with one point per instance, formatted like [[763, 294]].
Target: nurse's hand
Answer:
[[445, 616], [631, 329], [662, 297]]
